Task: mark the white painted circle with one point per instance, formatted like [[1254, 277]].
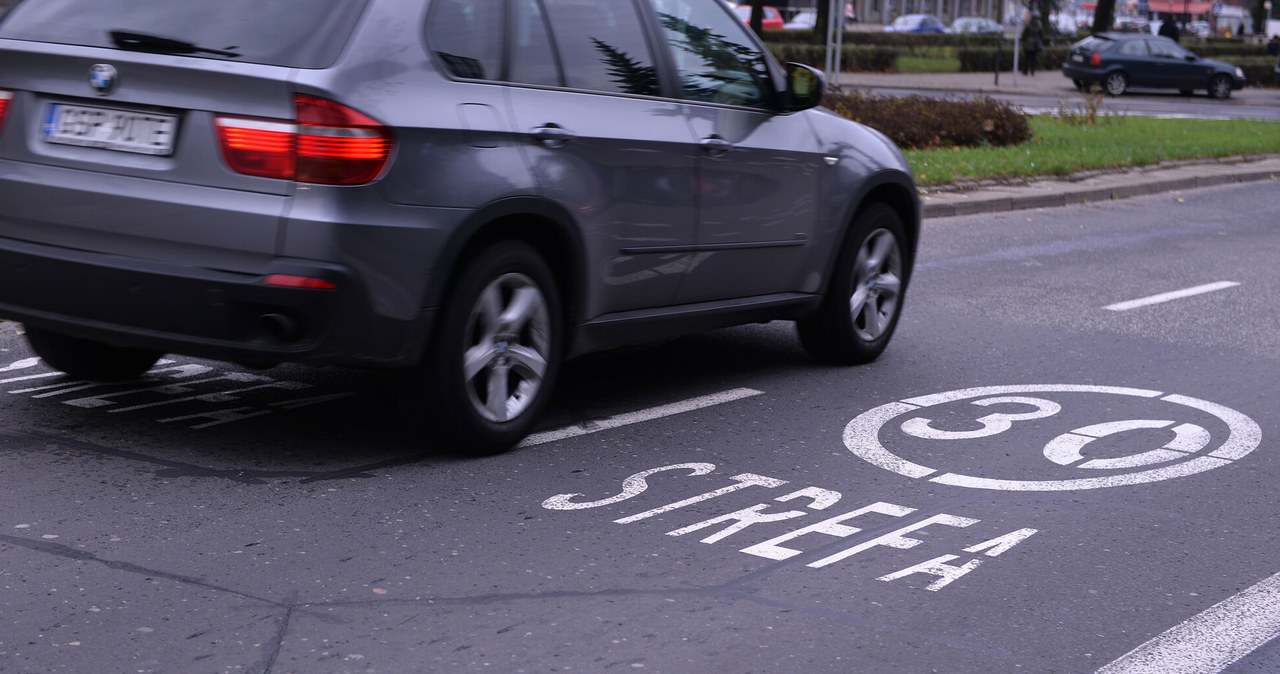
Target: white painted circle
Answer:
[[862, 437]]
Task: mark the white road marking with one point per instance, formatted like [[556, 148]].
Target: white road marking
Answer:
[[1210, 641], [862, 437], [1169, 296], [640, 416]]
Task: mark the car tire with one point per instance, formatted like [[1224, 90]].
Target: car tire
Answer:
[[491, 366], [864, 295], [1220, 87], [1116, 83], [89, 359]]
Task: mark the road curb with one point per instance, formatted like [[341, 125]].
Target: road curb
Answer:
[[1108, 187]]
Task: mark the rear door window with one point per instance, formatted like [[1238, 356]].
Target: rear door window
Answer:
[[292, 33]]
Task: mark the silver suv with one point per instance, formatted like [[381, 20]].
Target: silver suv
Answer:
[[474, 189]]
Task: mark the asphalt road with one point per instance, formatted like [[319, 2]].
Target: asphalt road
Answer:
[[1028, 480]]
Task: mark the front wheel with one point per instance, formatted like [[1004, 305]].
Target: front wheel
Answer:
[[490, 367], [89, 359], [864, 296], [1116, 83], [1220, 87]]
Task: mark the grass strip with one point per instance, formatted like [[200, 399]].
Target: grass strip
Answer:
[[1061, 147], [928, 64]]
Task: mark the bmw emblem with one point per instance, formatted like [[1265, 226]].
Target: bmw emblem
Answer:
[[103, 78]]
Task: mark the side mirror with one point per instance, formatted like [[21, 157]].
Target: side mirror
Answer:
[[1192, 57], [804, 88]]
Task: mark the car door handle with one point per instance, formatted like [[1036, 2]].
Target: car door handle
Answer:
[[552, 135], [715, 146]]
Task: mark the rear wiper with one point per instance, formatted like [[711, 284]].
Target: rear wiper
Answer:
[[155, 44]]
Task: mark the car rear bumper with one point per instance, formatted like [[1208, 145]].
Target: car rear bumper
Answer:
[[202, 312], [1083, 73]]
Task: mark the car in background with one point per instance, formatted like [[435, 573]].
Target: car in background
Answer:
[[916, 23], [1118, 61], [807, 19], [975, 25], [448, 188], [772, 17], [1199, 28], [1129, 24]]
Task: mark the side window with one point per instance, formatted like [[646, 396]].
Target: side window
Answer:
[[716, 60], [532, 59], [467, 36], [602, 46], [1134, 48], [1164, 49]]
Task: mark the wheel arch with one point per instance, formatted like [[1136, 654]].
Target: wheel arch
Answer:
[[537, 222], [898, 192]]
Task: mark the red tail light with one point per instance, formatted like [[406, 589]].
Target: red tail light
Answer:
[[327, 143], [5, 98], [1095, 59]]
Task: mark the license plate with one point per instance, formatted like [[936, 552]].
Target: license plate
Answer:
[[1077, 57], [120, 130]]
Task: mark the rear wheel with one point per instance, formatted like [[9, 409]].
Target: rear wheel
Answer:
[[864, 296], [1220, 87], [491, 366], [1116, 83], [89, 359]]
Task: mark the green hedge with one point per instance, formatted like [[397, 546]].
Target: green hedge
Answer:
[[1227, 50], [864, 38], [852, 58], [983, 59], [1258, 71]]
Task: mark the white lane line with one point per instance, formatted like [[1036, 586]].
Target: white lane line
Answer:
[[1210, 641], [1175, 295], [640, 415]]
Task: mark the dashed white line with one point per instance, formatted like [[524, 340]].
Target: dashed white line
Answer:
[[1170, 296], [640, 416], [1210, 641]]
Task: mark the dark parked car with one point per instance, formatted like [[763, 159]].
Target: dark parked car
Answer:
[[1118, 61], [470, 190], [916, 23]]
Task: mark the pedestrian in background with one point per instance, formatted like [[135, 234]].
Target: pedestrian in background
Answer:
[[1032, 43], [1170, 30]]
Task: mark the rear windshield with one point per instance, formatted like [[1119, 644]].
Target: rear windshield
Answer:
[[293, 33], [1094, 43]]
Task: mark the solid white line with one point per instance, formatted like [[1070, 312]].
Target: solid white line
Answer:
[[1175, 295], [639, 416], [1210, 641]]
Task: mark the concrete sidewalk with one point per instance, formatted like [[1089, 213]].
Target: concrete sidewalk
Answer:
[[1091, 186]]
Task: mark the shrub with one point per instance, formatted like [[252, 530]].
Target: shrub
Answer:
[[1258, 71], [919, 122], [852, 58]]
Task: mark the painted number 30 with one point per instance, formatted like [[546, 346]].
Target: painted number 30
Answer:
[[1067, 449]]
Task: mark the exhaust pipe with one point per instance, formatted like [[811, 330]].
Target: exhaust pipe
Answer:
[[280, 326]]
